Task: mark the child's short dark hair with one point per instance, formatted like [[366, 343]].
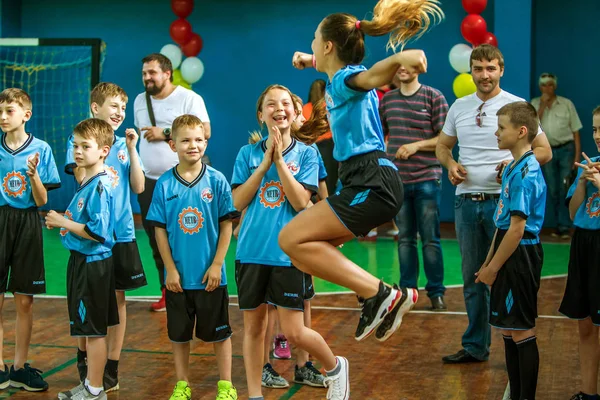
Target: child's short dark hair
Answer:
[[104, 90], [15, 95], [97, 129], [185, 121], [521, 113]]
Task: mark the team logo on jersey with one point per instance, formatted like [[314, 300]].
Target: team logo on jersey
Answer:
[[293, 167], [113, 175], [14, 184], [122, 156], [207, 195], [593, 205], [499, 211], [506, 190], [190, 220], [80, 204], [271, 194], [68, 215]]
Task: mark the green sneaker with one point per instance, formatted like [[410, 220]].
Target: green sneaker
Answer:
[[181, 392], [226, 391]]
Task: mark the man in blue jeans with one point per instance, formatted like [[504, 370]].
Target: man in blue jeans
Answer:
[[562, 124], [412, 117], [472, 122]]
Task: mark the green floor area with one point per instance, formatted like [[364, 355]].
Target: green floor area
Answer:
[[380, 258]]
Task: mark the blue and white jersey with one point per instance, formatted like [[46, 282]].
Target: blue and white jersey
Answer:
[[269, 211], [117, 166], [190, 212], [353, 116], [523, 194], [16, 186], [588, 213], [92, 206], [322, 170]]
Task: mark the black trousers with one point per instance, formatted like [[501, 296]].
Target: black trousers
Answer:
[[331, 164], [145, 198]]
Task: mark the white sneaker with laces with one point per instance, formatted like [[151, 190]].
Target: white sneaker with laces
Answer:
[[339, 384]]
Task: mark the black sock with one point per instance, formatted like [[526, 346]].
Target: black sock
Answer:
[[81, 355], [112, 365], [529, 363], [511, 354]]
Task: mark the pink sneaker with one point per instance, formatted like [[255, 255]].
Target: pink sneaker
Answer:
[[281, 349], [160, 305]]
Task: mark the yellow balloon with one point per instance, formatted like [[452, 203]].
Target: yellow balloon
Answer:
[[179, 81], [463, 85]]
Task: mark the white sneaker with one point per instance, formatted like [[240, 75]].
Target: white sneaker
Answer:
[[339, 384]]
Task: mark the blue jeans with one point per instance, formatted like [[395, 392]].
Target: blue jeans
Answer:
[[475, 230], [555, 173], [421, 211]]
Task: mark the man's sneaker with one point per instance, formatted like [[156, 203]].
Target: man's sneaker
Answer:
[[375, 309], [81, 392], [339, 384], [271, 379], [160, 305], [309, 375], [181, 392], [226, 391], [281, 350], [82, 367], [393, 320], [110, 381], [28, 378], [5, 377]]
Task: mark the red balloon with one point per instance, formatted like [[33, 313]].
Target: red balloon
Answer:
[[473, 28], [182, 8], [488, 38], [193, 46], [474, 6], [181, 31]]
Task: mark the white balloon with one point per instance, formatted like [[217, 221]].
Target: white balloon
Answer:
[[173, 53], [460, 56], [192, 69]]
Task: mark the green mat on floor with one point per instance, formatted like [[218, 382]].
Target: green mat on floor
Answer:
[[379, 258]]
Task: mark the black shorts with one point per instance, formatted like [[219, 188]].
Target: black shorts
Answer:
[[129, 272], [91, 295], [209, 311], [513, 296], [371, 195], [582, 297], [309, 288], [21, 251], [279, 286]]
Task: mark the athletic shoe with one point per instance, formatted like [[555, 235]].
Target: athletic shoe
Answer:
[[375, 309], [309, 375], [339, 384], [5, 377], [28, 378], [393, 320], [226, 391], [160, 305], [281, 350], [81, 367], [110, 380], [369, 237], [181, 392], [271, 379], [81, 392]]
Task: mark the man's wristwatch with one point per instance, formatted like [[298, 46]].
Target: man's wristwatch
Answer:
[[167, 133]]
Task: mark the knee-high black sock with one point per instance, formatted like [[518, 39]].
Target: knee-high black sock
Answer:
[[529, 363], [512, 365]]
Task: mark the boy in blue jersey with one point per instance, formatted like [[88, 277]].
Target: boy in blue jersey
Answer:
[[274, 180], [27, 172], [192, 210], [124, 168], [513, 266], [581, 300], [87, 231]]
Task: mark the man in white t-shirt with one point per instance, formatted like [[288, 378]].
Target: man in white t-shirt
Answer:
[[472, 122], [167, 102]]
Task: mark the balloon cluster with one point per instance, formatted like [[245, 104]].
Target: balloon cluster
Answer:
[[474, 30], [189, 44]]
